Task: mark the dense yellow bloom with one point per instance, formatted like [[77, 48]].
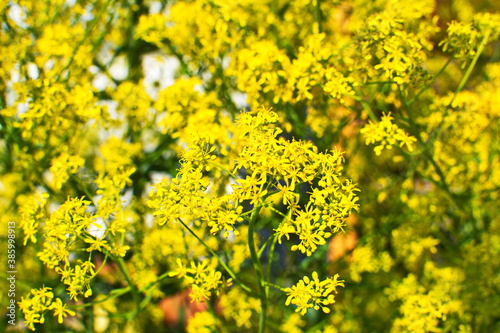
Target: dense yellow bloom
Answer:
[[151, 28], [202, 322], [311, 293], [38, 303], [201, 277], [365, 260], [464, 38], [238, 306], [386, 134], [294, 324], [32, 211], [422, 309], [260, 69]]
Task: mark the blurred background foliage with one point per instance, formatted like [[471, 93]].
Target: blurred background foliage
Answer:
[[99, 98]]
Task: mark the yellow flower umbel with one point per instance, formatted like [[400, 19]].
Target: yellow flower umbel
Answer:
[[64, 166], [313, 293], [202, 277], [275, 163], [38, 303], [387, 134]]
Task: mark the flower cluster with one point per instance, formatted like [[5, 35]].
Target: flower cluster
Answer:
[[64, 166], [424, 307], [202, 278], [464, 38], [38, 303], [184, 197], [365, 260], [311, 293], [240, 307], [386, 134]]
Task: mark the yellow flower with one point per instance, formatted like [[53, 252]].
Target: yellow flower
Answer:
[[387, 134], [60, 310], [313, 293], [63, 166]]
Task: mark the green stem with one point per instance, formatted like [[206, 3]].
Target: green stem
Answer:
[[275, 286], [224, 169], [84, 188], [258, 270], [135, 294], [461, 85], [443, 184], [480, 49], [159, 279], [223, 264], [319, 15], [274, 209], [270, 258], [263, 247], [116, 293], [365, 104], [102, 265], [122, 291], [273, 238], [378, 82], [426, 151]]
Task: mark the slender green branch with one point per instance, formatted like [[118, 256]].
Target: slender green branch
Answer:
[[84, 188], [378, 82], [425, 146], [211, 308], [467, 74], [135, 294], [275, 286], [319, 15], [270, 258], [273, 238], [102, 265], [426, 151], [122, 291], [99, 40], [183, 64], [223, 264], [114, 294], [258, 270], [263, 247], [158, 280], [299, 129], [275, 210], [461, 85], [223, 169], [122, 266], [365, 104]]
